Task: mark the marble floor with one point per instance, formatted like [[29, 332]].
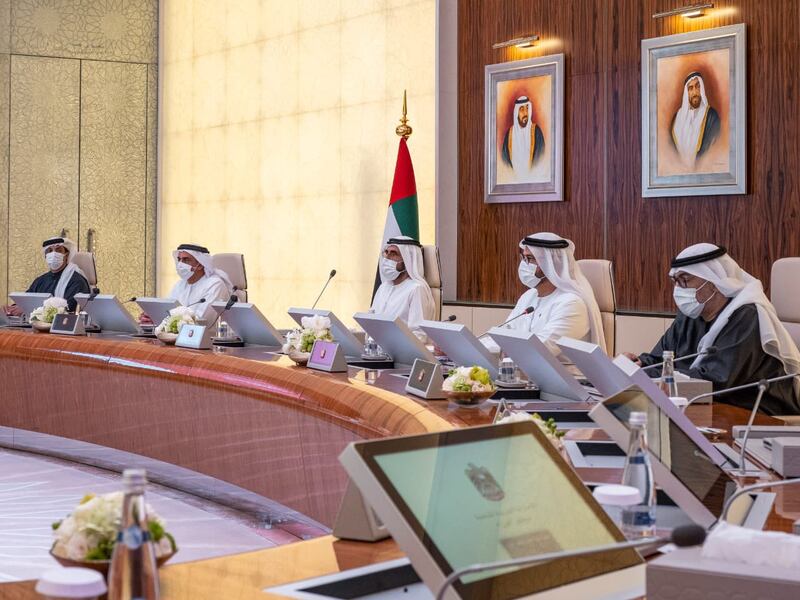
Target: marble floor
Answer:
[[36, 490]]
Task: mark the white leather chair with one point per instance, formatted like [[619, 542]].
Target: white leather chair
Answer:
[[600, 274], [785, 292], [432, 267], [85, 262], [233, 265]]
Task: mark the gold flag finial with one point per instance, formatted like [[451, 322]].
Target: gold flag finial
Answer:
[[404, 129]]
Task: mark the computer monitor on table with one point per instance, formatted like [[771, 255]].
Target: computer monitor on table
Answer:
[[157, 308], [340, 332], [108, 313], [394, 337], [680, 466], [555, 382], [28, 301], [249, 324], [482, 494], [460, 345]]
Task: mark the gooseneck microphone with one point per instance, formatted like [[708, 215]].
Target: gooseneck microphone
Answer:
[[683, 536], [231, 301], [324, 287], [707, 351], [201, 301], [449, 319], [527, 311]]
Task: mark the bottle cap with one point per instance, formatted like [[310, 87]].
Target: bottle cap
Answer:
[[71, 582], [134, 477], [668, 354], [638, 418], [617, 495]]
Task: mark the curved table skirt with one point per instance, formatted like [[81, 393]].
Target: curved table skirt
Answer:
[[249, 418]]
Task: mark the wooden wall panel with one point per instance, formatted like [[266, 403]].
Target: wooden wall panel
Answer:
[[604, 212]]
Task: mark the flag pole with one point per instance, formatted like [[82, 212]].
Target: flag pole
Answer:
[[404, 129]]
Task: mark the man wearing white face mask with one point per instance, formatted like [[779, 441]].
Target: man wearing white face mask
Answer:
[[199, 280], [403, 292], [561, 296], [63, 280], [723, 306]]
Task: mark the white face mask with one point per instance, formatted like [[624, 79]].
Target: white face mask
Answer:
[[389, 270], [527, 274], [54, 260], [686, 300], [184, 270]]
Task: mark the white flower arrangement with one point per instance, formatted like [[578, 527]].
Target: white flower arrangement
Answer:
[[315, 327], [178, 317], [48, 311], [468, 379], [90, 532]]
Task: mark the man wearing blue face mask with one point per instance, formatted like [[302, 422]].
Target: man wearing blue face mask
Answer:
[[721, 305], [63, 279]]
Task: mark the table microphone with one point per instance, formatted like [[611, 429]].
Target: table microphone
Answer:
[[683, 537], [709, 350], [449, 319], [131, 299], [196, 302], [527, 311], [762, 386], [324, 287], [231, 301]]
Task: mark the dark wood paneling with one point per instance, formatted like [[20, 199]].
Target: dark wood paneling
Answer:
[[604, 212]]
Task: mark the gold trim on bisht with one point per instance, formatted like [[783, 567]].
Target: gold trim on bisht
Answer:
[[404, 129]]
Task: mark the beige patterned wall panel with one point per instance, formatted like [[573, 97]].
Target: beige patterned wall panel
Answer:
[[120, 30], [5, 26], [44, 142], [113, 172], [5, 63], [151, 207]]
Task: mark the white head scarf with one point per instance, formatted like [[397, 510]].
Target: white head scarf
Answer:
[[562, 270], [203, 256], [521, 139], [689, 121], [735, 283], [70, 269], [412, 259]]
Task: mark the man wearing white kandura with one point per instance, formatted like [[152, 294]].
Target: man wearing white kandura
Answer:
[[199, 280], [562, 298], [403, 292], [722, 305]]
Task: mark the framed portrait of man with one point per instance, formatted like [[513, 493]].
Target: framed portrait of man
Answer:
[[524, 130], [694, 113]]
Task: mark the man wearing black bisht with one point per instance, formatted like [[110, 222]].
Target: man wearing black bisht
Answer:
[[63, 279], [723, 306]]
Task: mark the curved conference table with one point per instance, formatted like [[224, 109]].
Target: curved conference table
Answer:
[[245, 416]]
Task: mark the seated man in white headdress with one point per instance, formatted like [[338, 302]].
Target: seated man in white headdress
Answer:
[[200, 283], [561, 297], [63, 280], [725, 307], [403, 291]]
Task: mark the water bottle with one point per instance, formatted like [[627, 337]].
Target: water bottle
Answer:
[[133, 574], [222, 330], [639, 520], [370, 347], [667, 383]]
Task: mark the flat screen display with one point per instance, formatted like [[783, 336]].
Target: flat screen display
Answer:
[[676, 450], [494, 493]]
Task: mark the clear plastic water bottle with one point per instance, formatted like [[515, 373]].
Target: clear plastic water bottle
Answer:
[[133, 574], [222, 330], [667, 383], [639, 520], [370, 347]]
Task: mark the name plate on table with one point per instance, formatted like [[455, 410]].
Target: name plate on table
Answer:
[[426, 380], [197, 337], [327, 356], [68, 324]]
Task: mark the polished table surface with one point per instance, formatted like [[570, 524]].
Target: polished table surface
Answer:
[[361, 403]]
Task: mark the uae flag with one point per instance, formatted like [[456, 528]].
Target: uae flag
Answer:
[[402, 217]]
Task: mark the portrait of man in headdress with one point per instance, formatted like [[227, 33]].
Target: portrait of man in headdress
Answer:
[[523, 144], [696, 124]]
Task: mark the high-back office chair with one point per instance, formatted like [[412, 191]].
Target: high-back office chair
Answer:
[[85, 262], [233, 265], [432, 267], [784, 292], [600, 274]]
